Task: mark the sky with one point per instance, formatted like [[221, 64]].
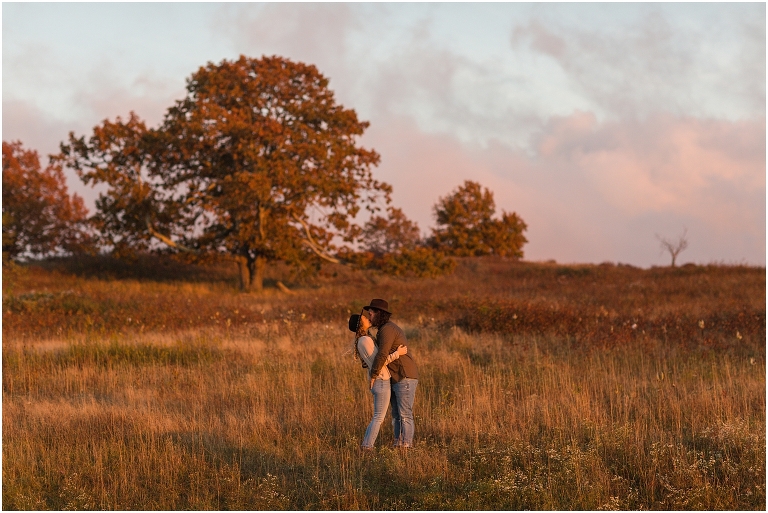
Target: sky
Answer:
[[604, 126]]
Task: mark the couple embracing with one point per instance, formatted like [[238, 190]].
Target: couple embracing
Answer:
[[392, 373]]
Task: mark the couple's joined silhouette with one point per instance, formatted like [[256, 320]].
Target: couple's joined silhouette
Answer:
[[392, 372]]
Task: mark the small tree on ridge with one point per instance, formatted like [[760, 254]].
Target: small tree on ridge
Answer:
[[466, 227], [383, 235], [674, 247]]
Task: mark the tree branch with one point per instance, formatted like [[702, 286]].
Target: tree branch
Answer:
[[167, 240], [281, 286], [313, 246]]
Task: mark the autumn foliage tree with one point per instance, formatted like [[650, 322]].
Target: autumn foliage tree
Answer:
[[382, 235], [393, 245], [466, 225], [135, 204], [39, 216], [257, 162]]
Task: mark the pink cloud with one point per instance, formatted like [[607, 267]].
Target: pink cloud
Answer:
[[422, 167], [24, 122], [37, 129], [661, 164], [147, 95], [600, 191]]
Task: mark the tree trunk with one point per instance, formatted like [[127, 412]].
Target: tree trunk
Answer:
[[257, 267], [251, 272], [245, 274]]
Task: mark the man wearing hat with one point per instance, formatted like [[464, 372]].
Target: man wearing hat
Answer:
[[403, 371]]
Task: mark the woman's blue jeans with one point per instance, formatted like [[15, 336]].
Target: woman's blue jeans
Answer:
[[381, 392], [403, 394]]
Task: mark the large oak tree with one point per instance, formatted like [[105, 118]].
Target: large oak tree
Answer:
[[257, 162]]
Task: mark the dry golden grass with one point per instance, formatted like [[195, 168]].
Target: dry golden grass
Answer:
[[210, 399]]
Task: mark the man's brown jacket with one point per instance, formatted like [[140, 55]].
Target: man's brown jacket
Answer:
[[390, 336]]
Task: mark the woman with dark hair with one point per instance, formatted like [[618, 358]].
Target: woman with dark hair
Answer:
[[365, 349]]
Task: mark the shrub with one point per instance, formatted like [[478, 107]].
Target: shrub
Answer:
[[420, 261]]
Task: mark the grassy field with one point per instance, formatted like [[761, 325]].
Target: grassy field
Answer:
[[159, 386]]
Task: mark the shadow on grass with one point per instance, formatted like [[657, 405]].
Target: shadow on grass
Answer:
[[330, 476], [145, 267], [154, 268]]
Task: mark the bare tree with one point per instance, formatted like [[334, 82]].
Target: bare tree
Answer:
[[674, 248]]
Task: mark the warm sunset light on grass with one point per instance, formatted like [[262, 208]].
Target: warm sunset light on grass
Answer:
[[543, 387], [211, 210]]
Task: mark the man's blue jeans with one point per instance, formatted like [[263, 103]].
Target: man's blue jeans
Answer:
[[381, 395], [403, 394]]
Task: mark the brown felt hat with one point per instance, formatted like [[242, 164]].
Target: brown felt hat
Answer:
[[378, 304]]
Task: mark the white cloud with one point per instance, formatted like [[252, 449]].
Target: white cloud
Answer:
[[659, 63]]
